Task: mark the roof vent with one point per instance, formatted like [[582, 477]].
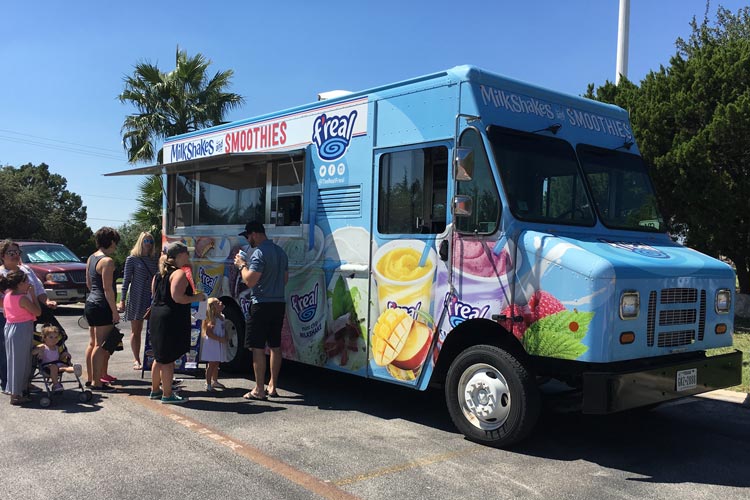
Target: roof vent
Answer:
[[333, 94]]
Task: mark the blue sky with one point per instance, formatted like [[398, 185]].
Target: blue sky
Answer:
[[64, 62]]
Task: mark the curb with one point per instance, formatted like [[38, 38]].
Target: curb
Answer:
[[740, 398]]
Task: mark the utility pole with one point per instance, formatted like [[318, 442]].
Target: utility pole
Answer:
[[622, 41]]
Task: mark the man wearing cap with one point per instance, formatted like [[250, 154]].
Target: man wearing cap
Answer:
[[265, 274]]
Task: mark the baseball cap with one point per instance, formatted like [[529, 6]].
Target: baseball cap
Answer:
[[253, 227], [176, 248]]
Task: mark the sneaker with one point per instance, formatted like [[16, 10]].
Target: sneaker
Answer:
[[155, 395], [218, 385], [58, 388], [174, 399], [209, 388], [108, 378], [77, 370]]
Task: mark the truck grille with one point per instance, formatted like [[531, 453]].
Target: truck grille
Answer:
[[674, 339], [662, 315], [78, 276]]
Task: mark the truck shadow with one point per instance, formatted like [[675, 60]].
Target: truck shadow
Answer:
[[695, 441]]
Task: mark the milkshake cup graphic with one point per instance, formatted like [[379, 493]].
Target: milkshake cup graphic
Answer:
[[402, 282], [306, 301]]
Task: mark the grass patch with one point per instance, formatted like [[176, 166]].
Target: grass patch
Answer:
[[742, 343]]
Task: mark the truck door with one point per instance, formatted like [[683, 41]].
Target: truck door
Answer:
[[482, 253], [409, 278]]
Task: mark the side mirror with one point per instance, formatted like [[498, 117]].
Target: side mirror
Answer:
[[462, 205], [463, 162]]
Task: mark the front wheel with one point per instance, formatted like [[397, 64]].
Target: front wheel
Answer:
[[491, 396], [238, 358]]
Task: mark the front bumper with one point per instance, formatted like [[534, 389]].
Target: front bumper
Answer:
[[66, 295], [609, 392]]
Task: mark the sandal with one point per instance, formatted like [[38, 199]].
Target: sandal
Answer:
[[250, 395], [137, 366]]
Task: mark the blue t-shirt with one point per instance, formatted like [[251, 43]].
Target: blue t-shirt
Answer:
[[271, 261]]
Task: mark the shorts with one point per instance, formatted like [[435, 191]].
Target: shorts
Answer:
[[97, 315], [264, 325]]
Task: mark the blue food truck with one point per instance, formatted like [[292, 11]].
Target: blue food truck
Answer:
[[460, 229]]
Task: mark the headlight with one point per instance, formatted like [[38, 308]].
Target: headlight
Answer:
[[629, 304], [723, 301], [57, 277]]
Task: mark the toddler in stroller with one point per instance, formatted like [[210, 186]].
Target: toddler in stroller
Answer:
[[52, 360]]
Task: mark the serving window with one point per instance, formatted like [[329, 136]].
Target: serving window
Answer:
[[232, 194]]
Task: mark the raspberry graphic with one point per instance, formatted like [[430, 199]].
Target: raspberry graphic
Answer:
[[543, 304]]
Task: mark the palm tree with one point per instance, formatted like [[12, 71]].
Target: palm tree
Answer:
[[168, 104], [173, 103]]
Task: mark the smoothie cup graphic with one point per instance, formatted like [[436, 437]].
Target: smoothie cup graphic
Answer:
[[481, 279], [306, 302], [402, 282]]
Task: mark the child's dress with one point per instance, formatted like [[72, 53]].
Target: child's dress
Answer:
[[50, 355], [211, 349]]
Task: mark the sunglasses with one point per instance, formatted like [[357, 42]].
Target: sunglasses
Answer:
[[148, 240], [13, 253]]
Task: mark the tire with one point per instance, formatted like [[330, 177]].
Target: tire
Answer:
[[234, 328], [491, 396], [45, 402]]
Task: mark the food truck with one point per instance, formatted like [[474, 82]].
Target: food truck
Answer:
[[460, 229]]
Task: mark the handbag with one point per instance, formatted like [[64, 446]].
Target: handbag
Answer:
[[113, 342]]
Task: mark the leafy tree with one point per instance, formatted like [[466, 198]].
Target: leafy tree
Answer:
[[692, 124], [36, 204]]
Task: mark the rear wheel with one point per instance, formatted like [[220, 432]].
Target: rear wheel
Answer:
[[491, 396], [234, 329]]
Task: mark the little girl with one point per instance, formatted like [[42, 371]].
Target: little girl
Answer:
[[20, 312], [51, 359], [213, 349]]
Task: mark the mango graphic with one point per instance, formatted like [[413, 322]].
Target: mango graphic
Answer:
[[415, 348], [401, 344], [389, 335]]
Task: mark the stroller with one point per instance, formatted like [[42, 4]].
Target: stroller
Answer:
[[41, 370]]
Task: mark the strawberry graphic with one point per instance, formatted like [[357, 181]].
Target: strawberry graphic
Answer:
[[543, 304], [518, 329]]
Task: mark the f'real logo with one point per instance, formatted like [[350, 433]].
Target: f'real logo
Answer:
[[332, 135]]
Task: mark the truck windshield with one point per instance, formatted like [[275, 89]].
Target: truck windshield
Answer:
[[541, 178], [47, 254], [621, 188]]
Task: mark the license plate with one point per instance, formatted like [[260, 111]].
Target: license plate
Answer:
[[687, 379]]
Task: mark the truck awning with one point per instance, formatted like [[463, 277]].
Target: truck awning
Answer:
[[218, 161]]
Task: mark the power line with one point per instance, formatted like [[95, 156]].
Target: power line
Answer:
[[108, 197], [57, 140], [61, 148]]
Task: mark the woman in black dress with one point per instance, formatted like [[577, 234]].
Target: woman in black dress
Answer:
[[170, 320]]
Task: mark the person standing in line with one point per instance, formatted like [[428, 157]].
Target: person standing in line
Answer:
[[140, 268], [21, 309], [266, 275], [170, 320], [100, 308], [213, 343], [10, 257]]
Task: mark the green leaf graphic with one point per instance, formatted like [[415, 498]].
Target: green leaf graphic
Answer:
[[342, 300], [558, 335]]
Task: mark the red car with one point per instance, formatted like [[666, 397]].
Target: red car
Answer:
[[61, 271]]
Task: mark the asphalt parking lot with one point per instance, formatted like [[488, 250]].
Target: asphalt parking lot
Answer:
[[335, 436]]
